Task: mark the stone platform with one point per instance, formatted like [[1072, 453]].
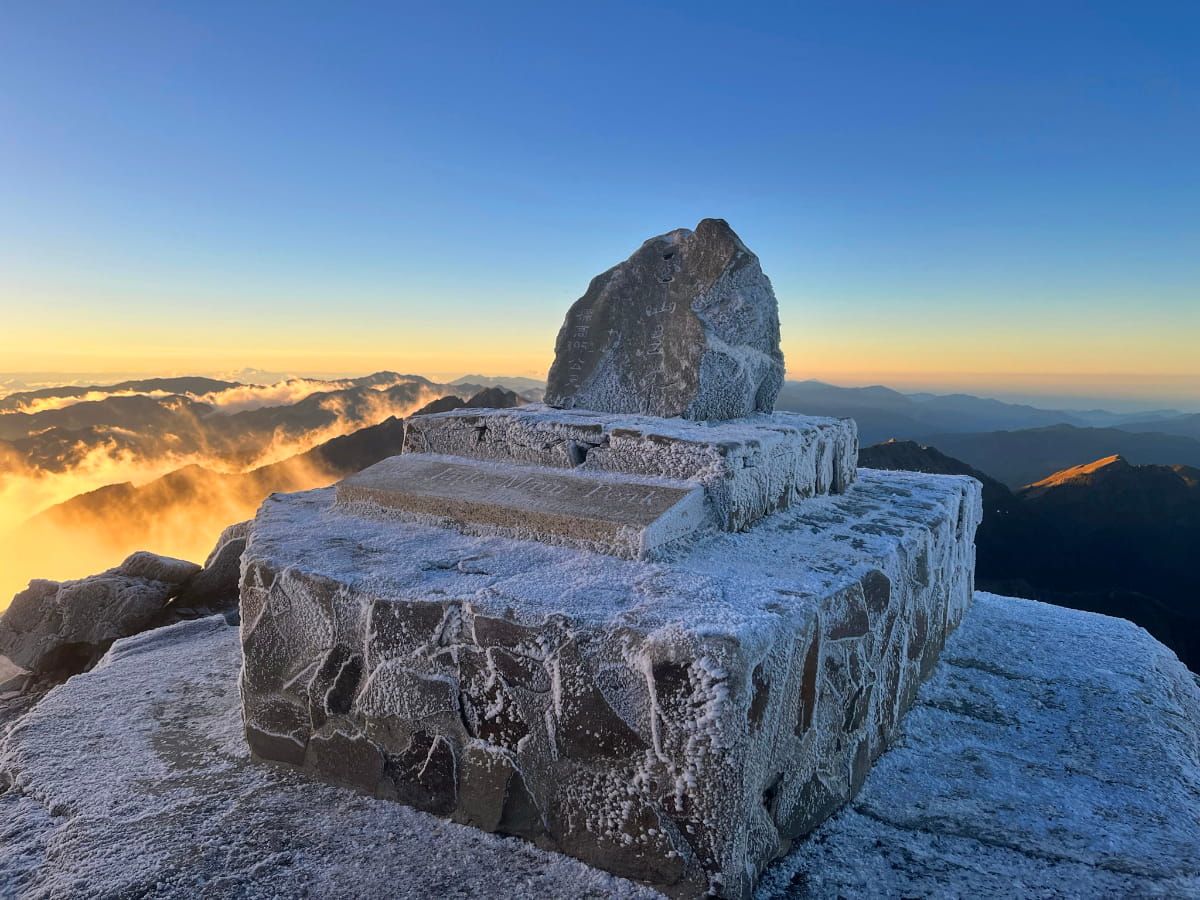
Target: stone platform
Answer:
[[748, 467], [678, 722]]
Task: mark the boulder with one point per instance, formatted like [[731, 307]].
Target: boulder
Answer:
[[214, 589], [687, 326], [54, 629]]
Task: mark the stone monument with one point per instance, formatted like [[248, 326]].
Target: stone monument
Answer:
[[687, 326], [650, 624]]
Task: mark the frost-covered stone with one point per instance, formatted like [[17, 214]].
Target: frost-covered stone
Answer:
[[53, 630], [625, 516], [215, 587], [748, 467], [676, 722], [687, 326], [1052, 753]]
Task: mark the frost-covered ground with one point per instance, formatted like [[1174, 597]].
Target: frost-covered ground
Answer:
[[1052, 753]]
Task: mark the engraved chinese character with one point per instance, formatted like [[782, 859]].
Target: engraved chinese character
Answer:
[[656, 340]]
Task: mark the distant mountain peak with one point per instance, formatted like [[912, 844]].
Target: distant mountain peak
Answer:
[[1109, 465], [1127, 486], [1114, 462]]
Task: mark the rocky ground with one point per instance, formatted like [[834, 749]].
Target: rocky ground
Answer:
[[1052, 753]]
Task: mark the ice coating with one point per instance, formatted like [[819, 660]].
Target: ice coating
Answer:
[[748, 467], [141, 769], [668, 721], [687, 326]]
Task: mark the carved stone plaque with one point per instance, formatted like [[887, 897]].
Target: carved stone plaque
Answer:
[[619, 515]]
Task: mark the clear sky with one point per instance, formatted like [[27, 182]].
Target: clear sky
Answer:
[[946, 195]]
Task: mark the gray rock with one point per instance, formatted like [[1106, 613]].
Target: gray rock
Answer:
[[54, 630], [687, 326], [214, 589]]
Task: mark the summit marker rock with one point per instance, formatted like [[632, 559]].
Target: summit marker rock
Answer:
[[688, 327]]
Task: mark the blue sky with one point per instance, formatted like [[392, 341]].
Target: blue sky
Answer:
[[941, 192]]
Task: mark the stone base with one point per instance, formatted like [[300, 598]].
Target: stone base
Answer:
[[677, 722], [748, 467]]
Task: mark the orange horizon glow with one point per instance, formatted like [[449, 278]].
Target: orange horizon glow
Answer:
[[938, 348], [1153, 376]]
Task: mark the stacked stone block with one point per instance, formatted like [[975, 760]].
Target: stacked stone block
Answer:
[[676, 722], [749, 467]]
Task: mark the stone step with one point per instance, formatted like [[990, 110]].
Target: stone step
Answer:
[[748, 467], [622, 516]]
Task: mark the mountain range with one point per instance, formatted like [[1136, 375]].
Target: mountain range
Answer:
[[1184, 425], [1107, 536], [1093, 509], [195, 492], [1022, 457], [53, 429], [883, 413], [1014, 443], [184, 417]]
